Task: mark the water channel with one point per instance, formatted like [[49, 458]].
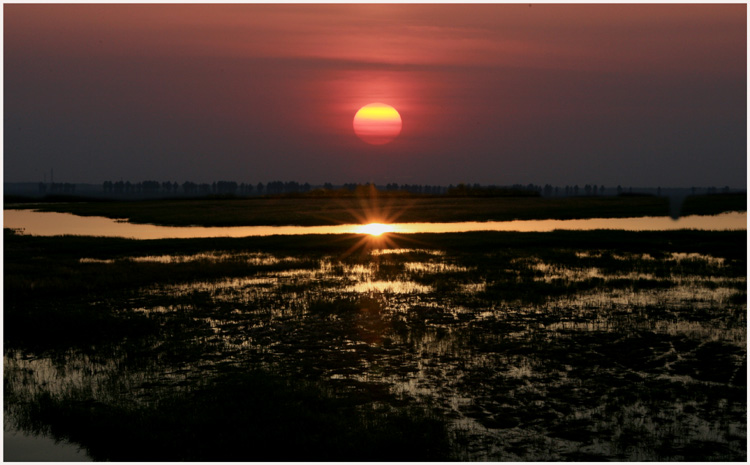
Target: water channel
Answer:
[[55, 224]]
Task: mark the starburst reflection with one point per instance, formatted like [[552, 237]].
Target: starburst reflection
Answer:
[[376, 216], [375, 229]]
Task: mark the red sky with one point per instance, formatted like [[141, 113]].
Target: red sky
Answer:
[[637, 95]]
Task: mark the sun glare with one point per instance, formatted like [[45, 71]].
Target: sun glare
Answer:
[[375, 229]]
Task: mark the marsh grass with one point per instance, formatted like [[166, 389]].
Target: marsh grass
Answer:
[[240, 416], [43, 326], [601, 345]]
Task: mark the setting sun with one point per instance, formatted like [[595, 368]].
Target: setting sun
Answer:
[[377, 123]]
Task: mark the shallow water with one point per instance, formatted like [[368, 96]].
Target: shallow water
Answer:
[[19, 446], [55, 224], [616, 356]]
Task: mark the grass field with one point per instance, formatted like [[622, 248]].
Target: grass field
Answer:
[[599, 345]]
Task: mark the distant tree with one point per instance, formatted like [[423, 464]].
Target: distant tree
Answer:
[[291, 187], [150, 187], [260, 188], [275, 188], [245, 188], [224, 187], [190, 188]]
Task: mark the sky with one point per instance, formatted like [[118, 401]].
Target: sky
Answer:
[[638, 95]]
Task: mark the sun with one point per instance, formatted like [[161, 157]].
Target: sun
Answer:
[[377, 123]]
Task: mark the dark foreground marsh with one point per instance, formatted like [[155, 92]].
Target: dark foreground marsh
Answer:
[[600, 345]]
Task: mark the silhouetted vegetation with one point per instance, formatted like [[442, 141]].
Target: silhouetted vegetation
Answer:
[[709, 204], [244, 416], [569, 345], [326, 208], [492, 191], [151, 189]]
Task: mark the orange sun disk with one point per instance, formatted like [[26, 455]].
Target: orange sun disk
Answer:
[[377, 123]]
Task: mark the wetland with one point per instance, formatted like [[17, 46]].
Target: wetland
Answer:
[[474, 346]]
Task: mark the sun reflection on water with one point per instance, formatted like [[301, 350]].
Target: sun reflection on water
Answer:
[[375, 229]]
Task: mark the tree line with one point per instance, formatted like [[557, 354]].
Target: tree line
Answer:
[[57, 188], [232, 188], [152, 188]]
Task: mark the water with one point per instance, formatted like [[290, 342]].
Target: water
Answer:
[[549, 353], [55, 224], [24, 447], [518, 351]]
